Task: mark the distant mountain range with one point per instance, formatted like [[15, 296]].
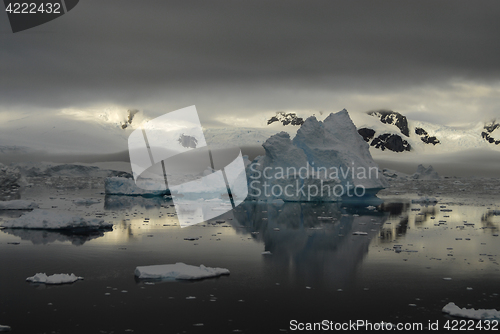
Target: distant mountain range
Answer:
[[388, 130], [106, 133]]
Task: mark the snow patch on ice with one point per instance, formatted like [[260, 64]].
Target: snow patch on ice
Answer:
[[178, 271]]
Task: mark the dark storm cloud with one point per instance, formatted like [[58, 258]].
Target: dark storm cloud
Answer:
[[132, 52]]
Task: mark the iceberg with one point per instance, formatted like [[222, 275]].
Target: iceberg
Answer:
[[18, 205], [4, 328], [480, 314], [53, 279], [178, 271], [326, 161], [49, 220], [428, 173]]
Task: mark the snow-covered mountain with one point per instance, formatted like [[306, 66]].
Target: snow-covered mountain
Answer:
[[388, 130]]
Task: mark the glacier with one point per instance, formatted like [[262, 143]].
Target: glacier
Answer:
[[326, 161]]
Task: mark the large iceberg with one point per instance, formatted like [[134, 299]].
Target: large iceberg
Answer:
[[326, 161]]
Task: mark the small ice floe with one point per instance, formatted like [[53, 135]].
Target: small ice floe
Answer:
[[18, 204], [371, 207], [178, 271], [190, 297], [359, 233], [278, 202], [267, 253], [86, 201], [480, 314], [447, 278], [49, 220], [53, 279], [424, 200], [4, 328]]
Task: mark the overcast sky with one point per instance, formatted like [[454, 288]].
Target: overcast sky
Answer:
[[435, 61]]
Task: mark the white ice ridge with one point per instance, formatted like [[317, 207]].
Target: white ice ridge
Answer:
[[179, 271], [18, 204], [41, 219], [53, 279], [471, 313]]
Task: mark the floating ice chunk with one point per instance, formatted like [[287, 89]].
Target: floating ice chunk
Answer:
[[267, 253], [359, 233], [53, 279], [4, 328], [18, 204], [470, 313], [41, 219], [179, 271]]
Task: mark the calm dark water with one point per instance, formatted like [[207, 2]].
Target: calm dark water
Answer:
[[318, 268]]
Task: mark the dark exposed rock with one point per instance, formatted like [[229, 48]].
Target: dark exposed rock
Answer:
[[391, 142], [424, 136], [392, 117], [430, 140], [130, 117], [420, 131], [489, 128], [366, 133], [286, 118]]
